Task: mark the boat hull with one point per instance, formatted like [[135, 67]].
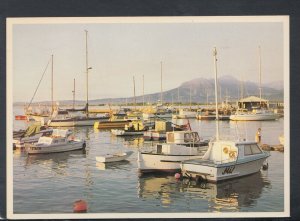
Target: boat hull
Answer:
[[253, 117], [150, 163], [75, 122], [110, 124], [126, 133], [213, 173], [113, 158], [75, 145]]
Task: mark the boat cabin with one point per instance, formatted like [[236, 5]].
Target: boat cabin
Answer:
[[183, 137], [223, 151], [252, 101], [58, 136]]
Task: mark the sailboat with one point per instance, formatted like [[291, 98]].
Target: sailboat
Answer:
[[257, 113], [81, 120], [225, 158], [43, 114]]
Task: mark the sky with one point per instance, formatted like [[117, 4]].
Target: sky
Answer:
[[119, 51]]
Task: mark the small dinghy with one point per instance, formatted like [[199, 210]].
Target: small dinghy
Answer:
[[113, 157]]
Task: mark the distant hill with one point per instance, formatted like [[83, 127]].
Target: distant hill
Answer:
[[202, 90]]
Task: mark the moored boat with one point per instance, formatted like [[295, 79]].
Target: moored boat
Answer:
[[254, 115], [134, 128], [225, 159], [59, 141], [30, 135], [166, 157], [114, 157]]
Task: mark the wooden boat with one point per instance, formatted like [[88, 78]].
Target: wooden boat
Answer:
[[113, 157], [59, 141]]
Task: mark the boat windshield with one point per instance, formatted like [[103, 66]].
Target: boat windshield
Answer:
[[191, 137]]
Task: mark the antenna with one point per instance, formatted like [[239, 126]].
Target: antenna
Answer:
[[216, 92]]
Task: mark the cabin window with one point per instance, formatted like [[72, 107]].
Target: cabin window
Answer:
[[255, 149], [171, 138], [247, 151], [188, 137]]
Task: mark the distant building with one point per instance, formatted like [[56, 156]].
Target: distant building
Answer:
[[251, 102]]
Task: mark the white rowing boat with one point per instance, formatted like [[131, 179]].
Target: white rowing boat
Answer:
[[113, 157]]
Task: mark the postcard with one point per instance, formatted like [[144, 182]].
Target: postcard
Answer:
[[157, 117]]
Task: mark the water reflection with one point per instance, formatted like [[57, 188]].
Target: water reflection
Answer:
[[112, 165], [225, 196], [56, 162]]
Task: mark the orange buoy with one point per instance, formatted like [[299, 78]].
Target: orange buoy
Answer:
[[80, 206]]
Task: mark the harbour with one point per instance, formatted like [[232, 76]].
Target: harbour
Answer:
[[208, 142], [108, 187]]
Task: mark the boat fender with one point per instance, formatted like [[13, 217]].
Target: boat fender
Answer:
[[265, 166], [177, 176]]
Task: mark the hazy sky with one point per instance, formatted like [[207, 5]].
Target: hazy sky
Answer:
[[117, 52]]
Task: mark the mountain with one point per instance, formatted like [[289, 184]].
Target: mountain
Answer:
[[202, 91]]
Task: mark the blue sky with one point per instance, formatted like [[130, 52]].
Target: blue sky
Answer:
[[119, 51]]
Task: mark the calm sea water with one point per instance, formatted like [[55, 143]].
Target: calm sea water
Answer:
[[51, 183]]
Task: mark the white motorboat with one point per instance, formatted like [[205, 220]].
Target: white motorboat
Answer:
[[59, 141], [259, 113], [254, 115], [166, 157], [114, 157], [225, 159]]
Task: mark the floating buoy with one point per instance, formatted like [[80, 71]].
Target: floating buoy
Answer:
[[177, 176], [80, 206]]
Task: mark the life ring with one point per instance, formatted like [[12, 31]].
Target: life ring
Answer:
[[225, 150], [232, 154]]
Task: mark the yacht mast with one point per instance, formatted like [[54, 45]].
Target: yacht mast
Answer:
[[216, 92], [134, 93], [74, 94], [161, 88], [87, 74], [52, 106], [259, 74], [143, 92], [190, 98]]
